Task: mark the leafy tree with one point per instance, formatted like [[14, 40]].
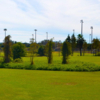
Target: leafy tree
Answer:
[[73, 43], [33, 50], [41, 51], [7, 49], [84, 47], [49, 51], [96, 45], [66, 51], [80, 41], [18, 50]]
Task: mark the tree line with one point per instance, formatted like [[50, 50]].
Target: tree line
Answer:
[[17, 50]]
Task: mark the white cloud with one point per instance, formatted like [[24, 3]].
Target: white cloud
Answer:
[[65, 15]]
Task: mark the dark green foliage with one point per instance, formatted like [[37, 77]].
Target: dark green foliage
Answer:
[[18, 50], [66, 51], [73, 66], [96, 45], [26, 44], [68, 39], [41, 51], [73, 43], [7, 49], [49, 51], [80, 41]]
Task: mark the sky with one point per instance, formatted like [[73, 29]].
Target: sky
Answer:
[[57, 17]]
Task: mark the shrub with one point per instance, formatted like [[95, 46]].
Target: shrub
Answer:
[[97, 54], [18, 60]]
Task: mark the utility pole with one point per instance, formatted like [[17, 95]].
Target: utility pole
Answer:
[[35, 34], [5, 31], [81, 27]]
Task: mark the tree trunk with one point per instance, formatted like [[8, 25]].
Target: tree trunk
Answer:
[[80, 52]]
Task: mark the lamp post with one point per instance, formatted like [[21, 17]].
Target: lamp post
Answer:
[[73, 31], [91, 33], [5, 31], [35, 34], [33, 37], [91, 36], [81, 27], [47, 35]]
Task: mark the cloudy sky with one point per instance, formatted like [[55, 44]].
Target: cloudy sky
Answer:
[[57, 17]]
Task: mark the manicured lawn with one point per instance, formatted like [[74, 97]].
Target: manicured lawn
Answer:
[[48, 85]]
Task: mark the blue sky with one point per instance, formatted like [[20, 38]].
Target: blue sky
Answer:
[[57, 17]]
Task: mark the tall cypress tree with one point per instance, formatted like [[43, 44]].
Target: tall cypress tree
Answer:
[[50, 44], [7, 49], [66, 51], [73, 43], [68, 39]]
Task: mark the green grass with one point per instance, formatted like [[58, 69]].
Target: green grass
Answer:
[[17, 84], [49, 85]]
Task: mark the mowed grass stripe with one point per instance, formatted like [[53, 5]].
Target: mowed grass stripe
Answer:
[[48, 85]]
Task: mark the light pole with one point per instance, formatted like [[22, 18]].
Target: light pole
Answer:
[[81, 27], [73, 31], [35, 34], [33, 37], [91, 36], [91, 33], [47, 35], [5, 31]]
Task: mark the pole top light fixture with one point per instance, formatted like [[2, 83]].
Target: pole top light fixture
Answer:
[[81, 21], [5, 29], [35, 30], [91, 27]]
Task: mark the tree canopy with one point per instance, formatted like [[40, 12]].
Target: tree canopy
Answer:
[[18, 50]]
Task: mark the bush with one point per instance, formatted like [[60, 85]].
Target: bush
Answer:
[[18, 60], [97, 54], [73, 66]]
